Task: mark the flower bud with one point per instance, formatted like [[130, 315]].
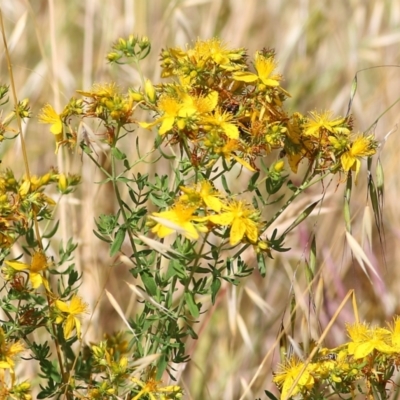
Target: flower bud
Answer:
[[150, 91]]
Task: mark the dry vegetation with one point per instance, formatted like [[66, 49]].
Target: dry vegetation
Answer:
[[59, 46]]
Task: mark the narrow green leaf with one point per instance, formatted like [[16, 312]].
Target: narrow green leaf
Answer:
[[192, 306], [253, 180], [380, 179], [50, 234], [313, 258], [225, 184], [261, 264], [215, 286], [270, 395], [101, 237], [118, 154], [149, 283], [117, 243], [346, 206], [374, 200], [301, 217]]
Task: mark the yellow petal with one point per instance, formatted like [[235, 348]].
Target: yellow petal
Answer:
[[222, 219], [238, 230], [230, 130], [347, 161], [36, 279], [166, 125], [213, 203], [245, 76], [19, 266], [62, 306], [69, 326], [244, 163]]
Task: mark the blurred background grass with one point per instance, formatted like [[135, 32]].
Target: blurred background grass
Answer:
[[60, 46]]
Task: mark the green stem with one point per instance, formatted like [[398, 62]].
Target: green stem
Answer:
[[119, 199]]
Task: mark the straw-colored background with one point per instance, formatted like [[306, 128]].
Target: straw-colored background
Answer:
[[60, 46]]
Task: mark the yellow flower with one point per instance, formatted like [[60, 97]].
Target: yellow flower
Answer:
[[105, 90], [176, 110], [323, 121], [153, 390], [227, 151], [169, 106], [178, 219], [240, 217], [289, 373], [8, 351], [265, 67], [365, 340], [198, 104], [362, 146], [202, 192], [38, 265], [222, 120], [49, 116], [70, 313]]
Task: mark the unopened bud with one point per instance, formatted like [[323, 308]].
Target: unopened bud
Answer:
[[150, 91]]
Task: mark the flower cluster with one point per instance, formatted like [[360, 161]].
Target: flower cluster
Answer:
[[201, 208], [365, 363], [20, 199], [217, 106]]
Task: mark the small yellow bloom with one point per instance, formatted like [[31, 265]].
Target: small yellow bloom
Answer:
[[202, 192], [70, 313], [324, 121], [152, 389], [289, 373], [169, 107], [265, 67], [49, 116], [180, 219], [8, 351], [240, 217], [37, 266], [222, 120], [365, 340], [363, 146]]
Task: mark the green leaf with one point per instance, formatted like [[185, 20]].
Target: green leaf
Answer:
[[346, 206], [380, 180], [270, 395], [101, 237], [215, 286], [261, 264], [149, 283], [50, 234], [225, 184], [312, 261], [192, 306], [301, 217], [118, 154], [253, 180], [117, 243]]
